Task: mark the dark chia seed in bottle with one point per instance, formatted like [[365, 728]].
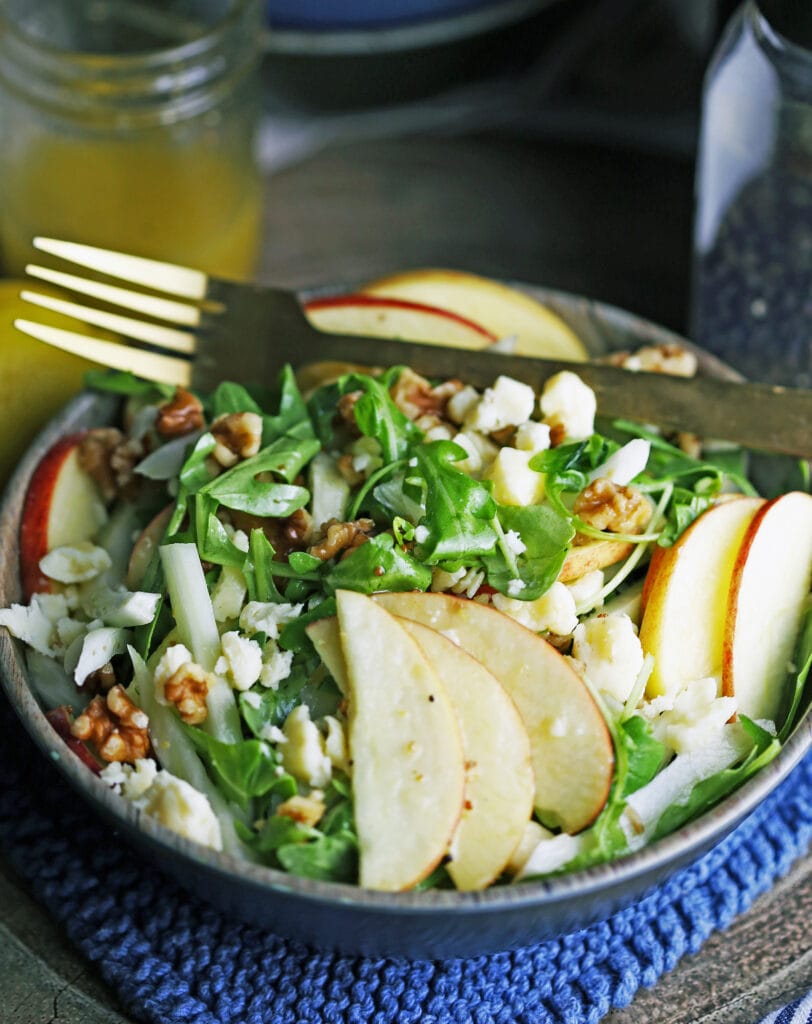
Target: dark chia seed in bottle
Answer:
[[752, 298]]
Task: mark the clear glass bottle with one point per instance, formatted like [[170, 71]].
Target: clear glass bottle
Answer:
[[130, 124], [752, 287]]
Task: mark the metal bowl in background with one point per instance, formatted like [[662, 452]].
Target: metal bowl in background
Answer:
[[335, 916]]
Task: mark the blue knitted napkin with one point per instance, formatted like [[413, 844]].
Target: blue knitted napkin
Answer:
[[171, 958]]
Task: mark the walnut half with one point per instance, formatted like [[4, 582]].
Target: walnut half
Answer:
[[339, 537], [612, 507], [115, 726], [187, 689]]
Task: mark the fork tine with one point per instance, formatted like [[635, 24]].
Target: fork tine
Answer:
[[141, 330], [183, 282], [150, 305], [152, 365]]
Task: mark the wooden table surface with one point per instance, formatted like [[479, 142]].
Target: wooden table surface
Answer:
[[612, 224]]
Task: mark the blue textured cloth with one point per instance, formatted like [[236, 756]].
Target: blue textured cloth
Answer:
[[173, 959]]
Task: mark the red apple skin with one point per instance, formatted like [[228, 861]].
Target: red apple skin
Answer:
[[750, 538], [36, 511], [60, 719], [377, 302]]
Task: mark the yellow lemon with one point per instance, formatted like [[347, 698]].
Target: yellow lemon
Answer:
[[35, 379]]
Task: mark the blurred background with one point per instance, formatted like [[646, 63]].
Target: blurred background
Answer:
[[544, 141]]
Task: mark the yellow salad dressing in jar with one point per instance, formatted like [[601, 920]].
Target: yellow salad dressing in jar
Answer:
[[130, 124]]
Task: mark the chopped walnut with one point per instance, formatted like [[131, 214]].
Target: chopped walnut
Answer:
[[558, 434], [338, 537], [307, 810], [182, 414], [115, 726], [345, 467], [415, 396], [289, 534], [609, 506], [107, 456], [671, 359], [346, 411], [691, 444], [187, 689], [238, 436], [100, 681]]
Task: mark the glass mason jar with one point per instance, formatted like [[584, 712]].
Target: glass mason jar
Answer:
[[130, 124], [752, 287]]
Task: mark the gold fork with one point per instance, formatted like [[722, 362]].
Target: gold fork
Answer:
[[199, 330]]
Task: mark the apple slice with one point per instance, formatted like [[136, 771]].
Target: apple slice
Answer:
[[570, 746], [499, 786], [325, 638], [500, 309], [771, 582], [62, 506], [408, 773], [597, 554], [394, 318], [686, 602], [145, 547]]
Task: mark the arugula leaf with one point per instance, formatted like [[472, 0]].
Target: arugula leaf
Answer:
[[213, 542], [546, 537], [803, 659], [229, 397], [683, 508], [379, 564], [293, 418], [330, 858], [711, 790], [122, 382], [459, 510], [277, 830], [243, 770], [376, 415], [240, 487], [644, 755], [259, 568]]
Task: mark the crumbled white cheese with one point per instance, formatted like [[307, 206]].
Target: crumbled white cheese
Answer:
[[568, 403], [266, 617], [586, 588], [131, 780], [421, 534], [515, 587], [625, 464], [181, 808], [98, 647], [75, 563], [252, 699], [514, 483], [304, 754], [609, 650], [276, 666], [366, 455], [691, 720], [228, 593], [273, 734], [553, 612], [117, 606], [513, 542], [507, 404], [480, 452], [439, 432], [241, 661], [30, 624], [532, 437], [532, 836], [462, 403], [335, 744], [68, 630]]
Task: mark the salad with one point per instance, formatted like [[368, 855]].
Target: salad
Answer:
[[403, 633]]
